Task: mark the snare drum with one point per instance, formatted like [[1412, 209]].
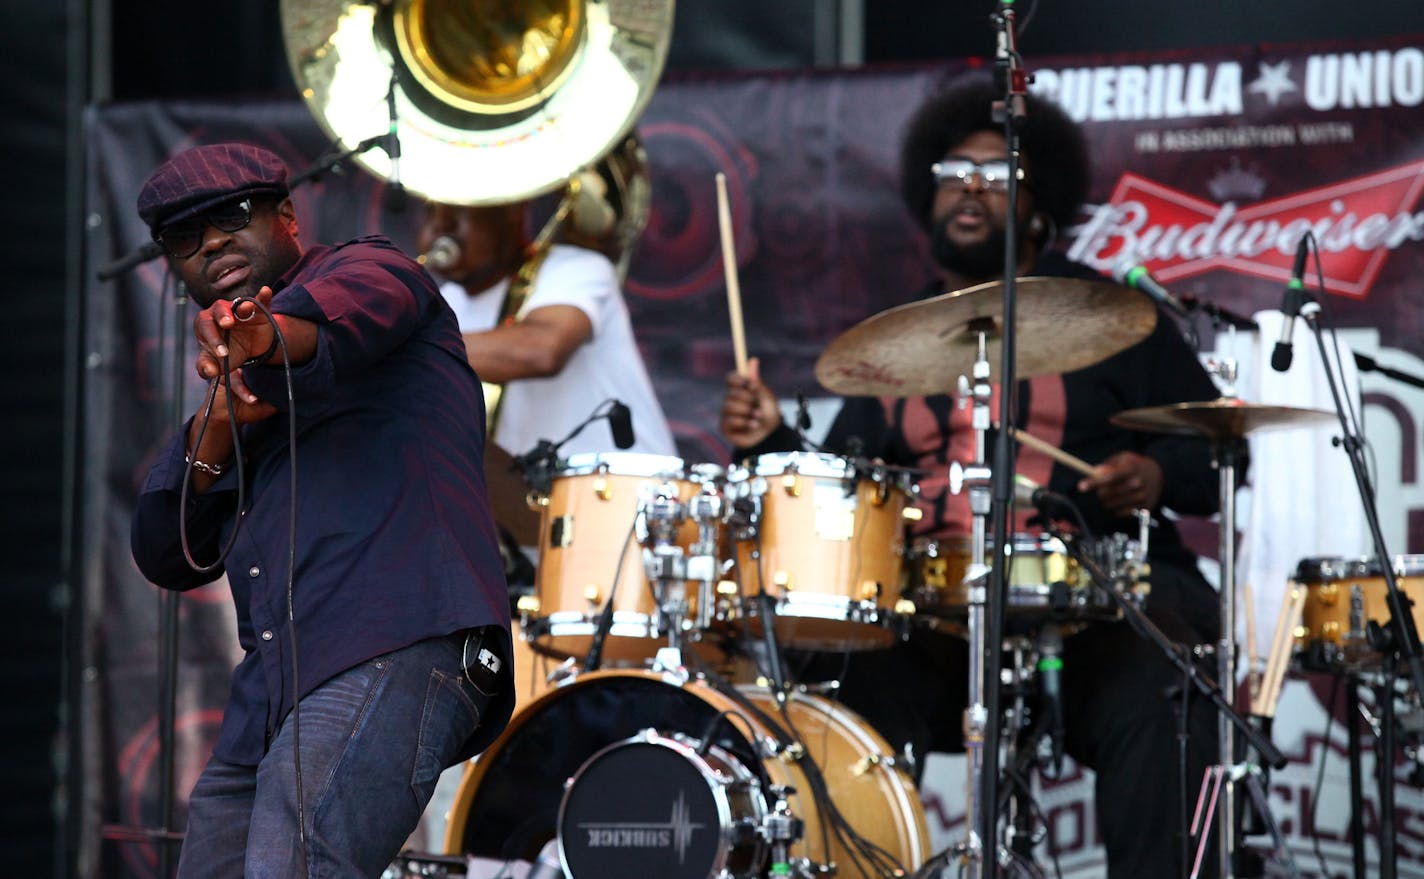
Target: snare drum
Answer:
[[591, 542], [1044, 579], [636, 775], [823, 536], [1342, 597]]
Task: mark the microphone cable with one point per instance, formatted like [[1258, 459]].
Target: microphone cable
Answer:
[[594, 658], [279, 344]]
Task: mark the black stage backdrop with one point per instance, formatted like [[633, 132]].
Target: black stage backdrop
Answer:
[[1211, 165]]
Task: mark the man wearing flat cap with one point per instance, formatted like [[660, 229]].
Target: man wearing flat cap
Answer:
[[334, 474]]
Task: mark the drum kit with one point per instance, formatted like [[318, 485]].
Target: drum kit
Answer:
[[652, 752]]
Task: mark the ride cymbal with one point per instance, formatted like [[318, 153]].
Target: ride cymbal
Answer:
[[1221, 419], [1063, 324]]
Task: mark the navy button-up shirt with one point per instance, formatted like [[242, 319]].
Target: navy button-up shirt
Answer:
[[395, 541]]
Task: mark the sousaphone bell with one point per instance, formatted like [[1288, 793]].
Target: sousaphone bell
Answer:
[[494, 101]]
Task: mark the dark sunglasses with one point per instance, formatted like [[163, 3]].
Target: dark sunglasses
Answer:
[[183, 238], [993, 175]]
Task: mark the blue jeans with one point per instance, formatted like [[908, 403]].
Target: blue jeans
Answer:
[[373, 740]]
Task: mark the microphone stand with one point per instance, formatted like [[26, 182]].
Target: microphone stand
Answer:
[[1219, 316], [983, 720], [1368, 364], [1403, 640]]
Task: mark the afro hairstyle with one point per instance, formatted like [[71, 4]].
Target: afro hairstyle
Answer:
[[1052, 142]]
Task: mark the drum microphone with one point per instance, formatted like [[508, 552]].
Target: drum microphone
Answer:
[[1291, 305], [620, 423], [1050, 667], [1030, 493], [1129, 272]]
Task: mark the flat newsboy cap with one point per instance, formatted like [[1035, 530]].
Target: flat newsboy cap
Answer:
[[206, 176]]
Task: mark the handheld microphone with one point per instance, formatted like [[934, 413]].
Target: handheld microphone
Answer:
[[620, 423], [1283, 353], [444, 252], [1128, 271]]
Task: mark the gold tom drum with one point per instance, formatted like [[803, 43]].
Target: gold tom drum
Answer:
[[591, 541], [1342, 597], [636, 775], [823, 536]]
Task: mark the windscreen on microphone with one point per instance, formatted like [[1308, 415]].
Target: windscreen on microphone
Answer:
[[620, 422]]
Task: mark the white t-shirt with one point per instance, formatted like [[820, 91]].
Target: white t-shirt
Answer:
[[607, 365]]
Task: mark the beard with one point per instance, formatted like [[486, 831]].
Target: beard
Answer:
[[982, 260]]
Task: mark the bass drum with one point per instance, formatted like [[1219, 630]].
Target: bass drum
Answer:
[[649, 778]]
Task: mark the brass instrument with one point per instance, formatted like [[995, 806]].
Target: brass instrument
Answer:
[[493, 101]]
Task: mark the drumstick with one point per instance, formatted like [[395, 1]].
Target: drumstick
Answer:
[[1282, 633], [1265, 705], [729, 268], [1257, 698], [1053, 452]]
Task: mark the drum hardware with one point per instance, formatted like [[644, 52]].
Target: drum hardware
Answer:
[[1225, 423]]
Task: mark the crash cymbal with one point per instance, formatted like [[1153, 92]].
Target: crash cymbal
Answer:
[[508, 494], [1220, 419], [924, 347]]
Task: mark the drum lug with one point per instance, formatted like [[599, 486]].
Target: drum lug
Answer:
[[1329, 594], [870, 761]]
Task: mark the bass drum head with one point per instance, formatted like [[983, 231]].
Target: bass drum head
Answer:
[[508, 805], [653, 806]]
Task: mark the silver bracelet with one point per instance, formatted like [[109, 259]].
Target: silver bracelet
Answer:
[[203, 466]]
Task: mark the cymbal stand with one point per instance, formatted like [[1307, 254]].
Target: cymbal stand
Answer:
[[670, 570], [1215, 692], [708, 509], [976, 479], [1228, 452], [659, 516]]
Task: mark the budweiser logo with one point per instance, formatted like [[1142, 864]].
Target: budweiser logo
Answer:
[[1356, 223]]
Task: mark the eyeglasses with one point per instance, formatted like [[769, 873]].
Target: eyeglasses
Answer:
[[183, 238], [993, 175]]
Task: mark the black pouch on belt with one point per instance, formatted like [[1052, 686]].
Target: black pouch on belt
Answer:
[[482, 664]]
